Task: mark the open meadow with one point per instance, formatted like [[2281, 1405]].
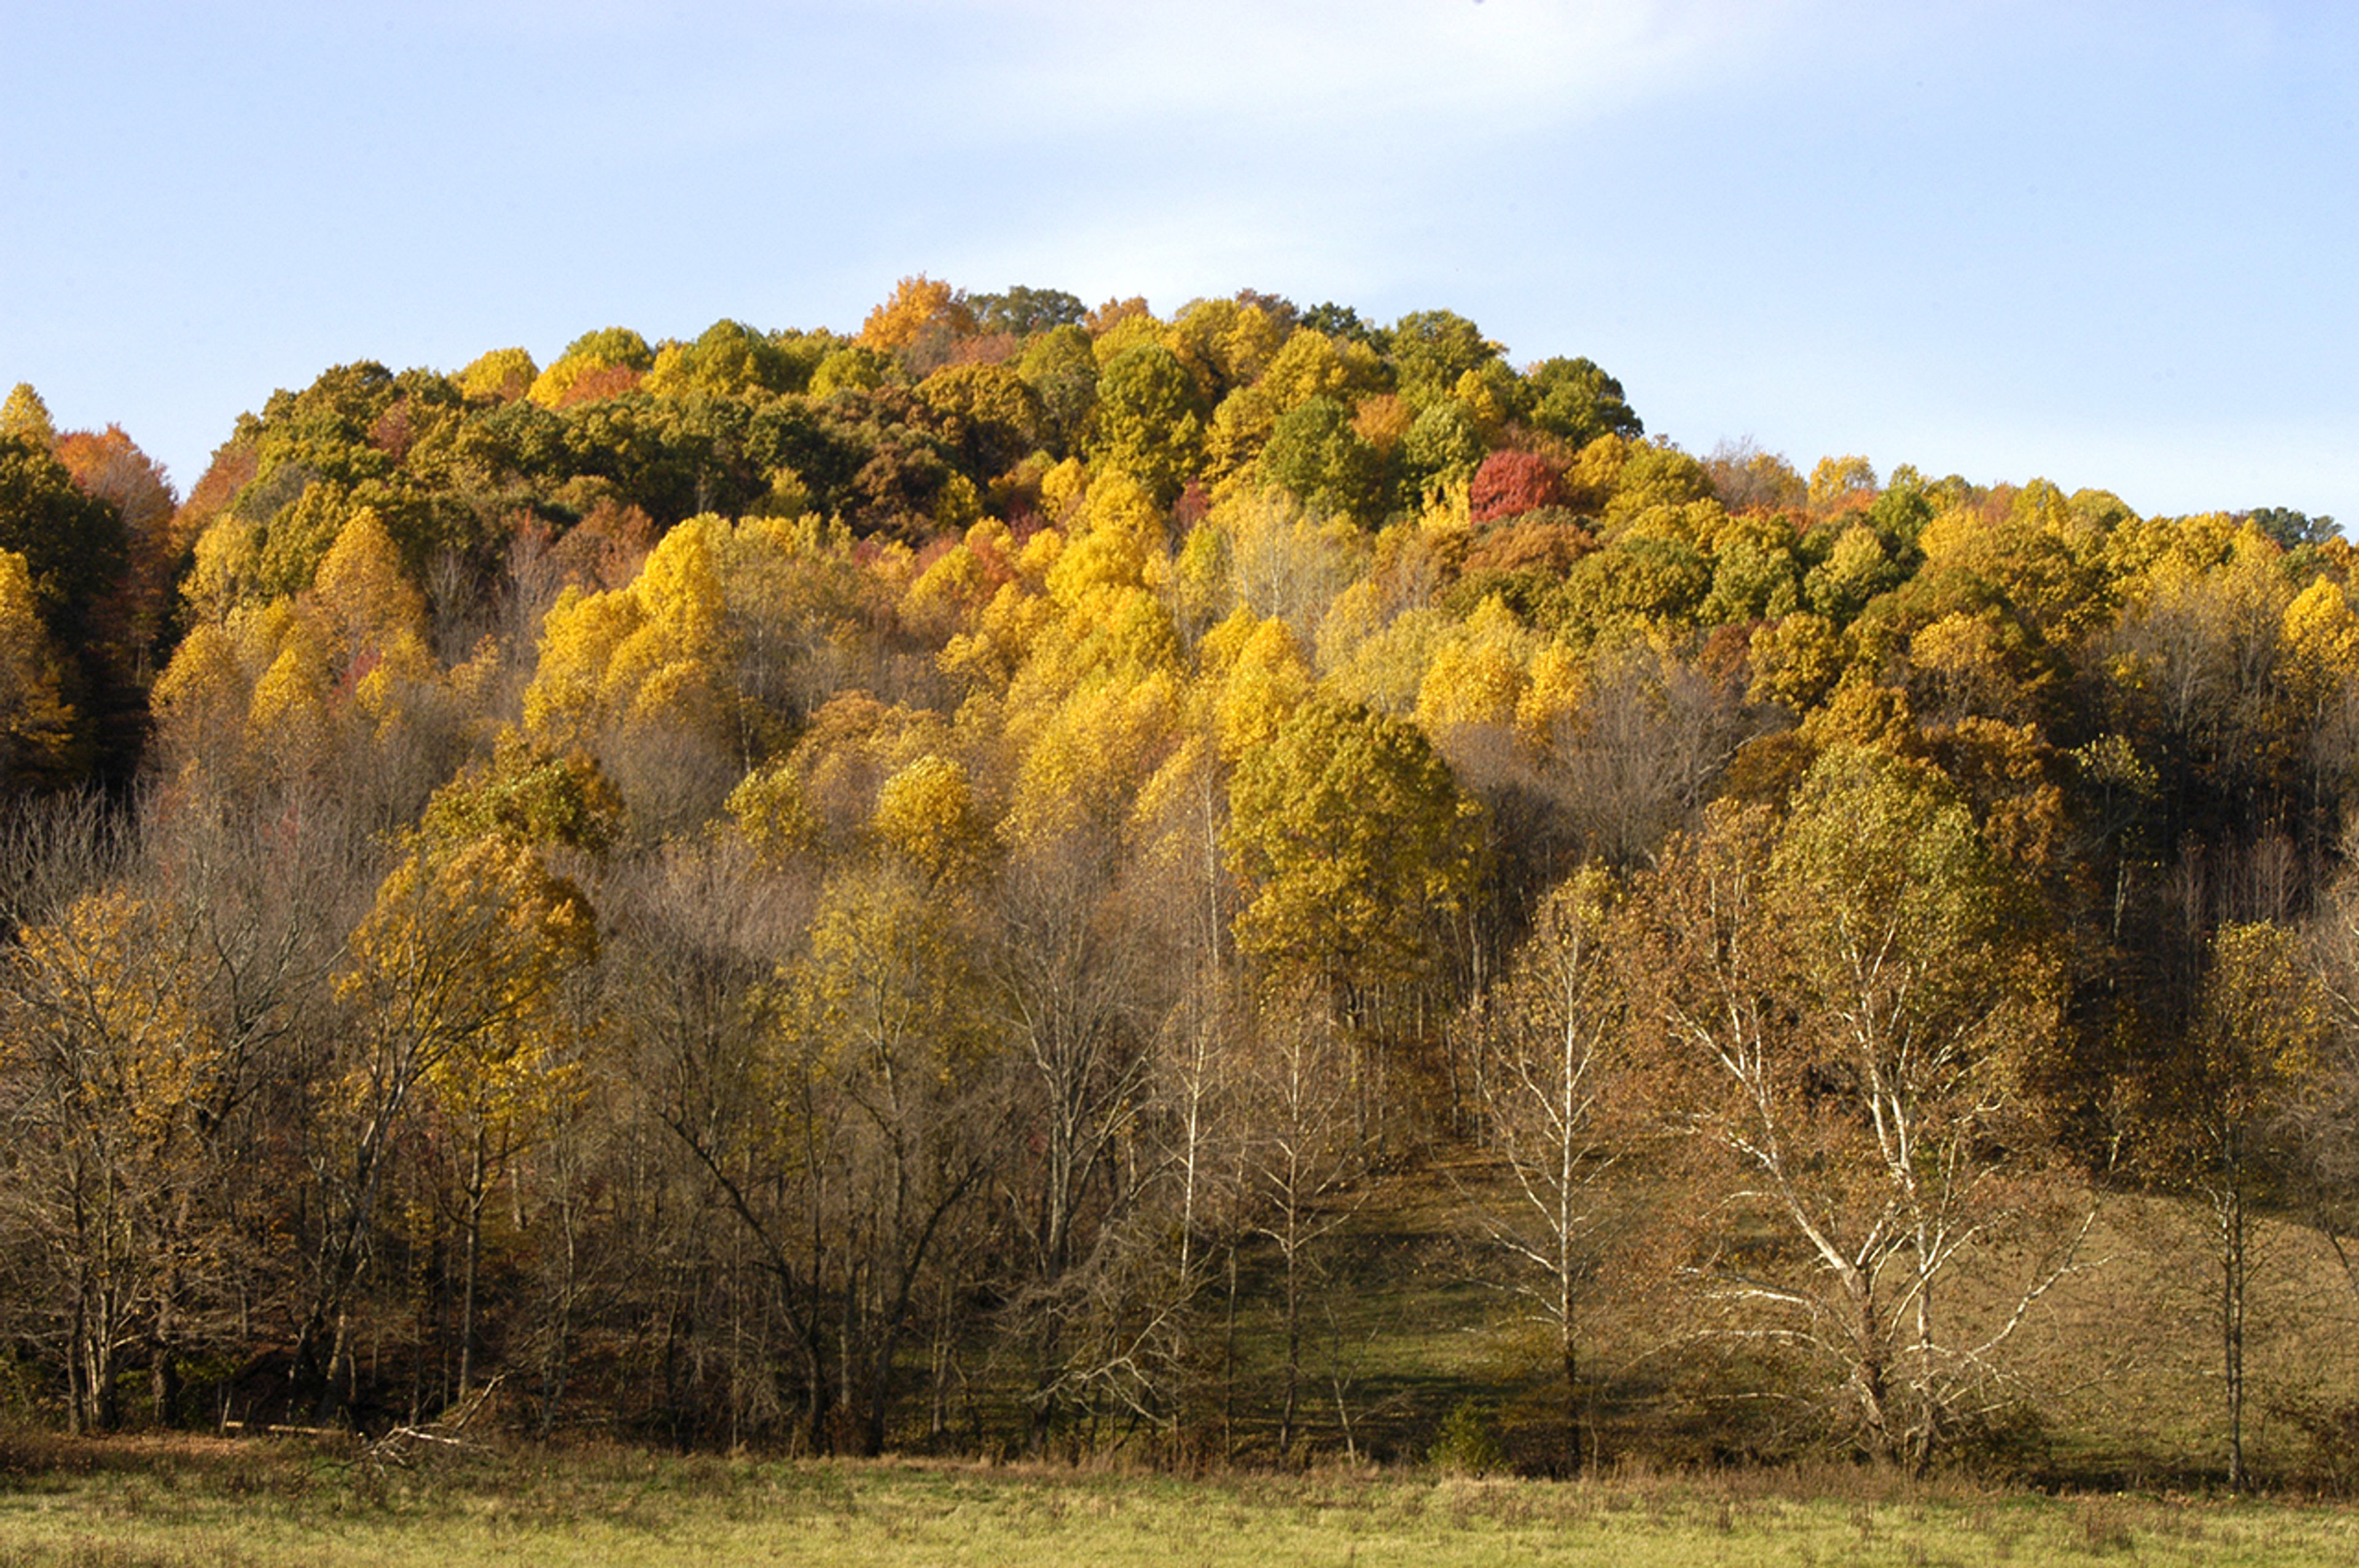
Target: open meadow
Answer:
[[261, 1503]]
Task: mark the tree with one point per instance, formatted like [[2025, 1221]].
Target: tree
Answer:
[[2252, 1053], [1061, 367], [1303, 1149], [24, 415], [1001, 418], [1848, 1003], [106, 1064], [1025, 311], [1577, 401], [450, 983], [877, 1057], [109, 466], [1509, 484], [2290, 528], [1548, 1058], [75, 554], [499, 376], [1315, 455], [35, 724], [1149, 422], [1355, 839], [1431, 349], [73, 543], [918, 323]]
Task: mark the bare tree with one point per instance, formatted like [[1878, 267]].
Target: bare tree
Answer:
[[1844, 1003], [1544, 1049]]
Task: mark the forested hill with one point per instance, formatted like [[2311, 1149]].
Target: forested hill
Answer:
[[761, 887]]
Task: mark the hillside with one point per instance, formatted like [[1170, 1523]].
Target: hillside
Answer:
[[1041, 879]]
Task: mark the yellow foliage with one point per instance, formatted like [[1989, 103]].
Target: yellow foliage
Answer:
[[1550, 705], [288, 713], [1118, 542], [1596, 473], [1840, 484], [919, 305], [578, 639], [1138, 327], [114, 1007], [387, 691], [361, 586], [456, 970], [1862, 713], [1061, 489], [35, 722], [227, 570], [773, 813], [1264, 677], [1357, 614], [1311, 365], [1797, 662], [502, 373], [1383, 421], [1386, 669], [1232, 341], [647, 654], [1478, 676], [1084, 762], [2321, 642], [946, 597], [926, 813]]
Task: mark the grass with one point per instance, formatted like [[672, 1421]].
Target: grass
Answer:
[[261, 1503]]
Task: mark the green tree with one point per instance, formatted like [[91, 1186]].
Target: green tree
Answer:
[[1315, 455], [1577, 401], [1431, 349], [1148, 421]]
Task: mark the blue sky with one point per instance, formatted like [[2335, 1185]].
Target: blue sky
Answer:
[[2105, 244]]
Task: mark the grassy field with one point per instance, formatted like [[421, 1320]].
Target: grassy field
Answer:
[[156, 1504], [2120, 1364]]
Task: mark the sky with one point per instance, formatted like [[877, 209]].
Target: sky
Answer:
[[2105, 244]]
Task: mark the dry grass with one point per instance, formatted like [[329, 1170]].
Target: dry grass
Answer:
[[265, 1503]]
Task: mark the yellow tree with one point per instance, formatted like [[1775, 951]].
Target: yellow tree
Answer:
[[639, 675], [1355, 849], [450, 984], [107, 1069], [35, 722], [873, 1127], [920, 319]]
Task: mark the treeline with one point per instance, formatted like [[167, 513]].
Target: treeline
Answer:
[[849, 890]]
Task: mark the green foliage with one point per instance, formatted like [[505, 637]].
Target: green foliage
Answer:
[[1442, 447], [1468, 1442], [1148, 420], [1315, 455], [1026, 311], [73, 543], [1431, 349], [1576, 400]]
